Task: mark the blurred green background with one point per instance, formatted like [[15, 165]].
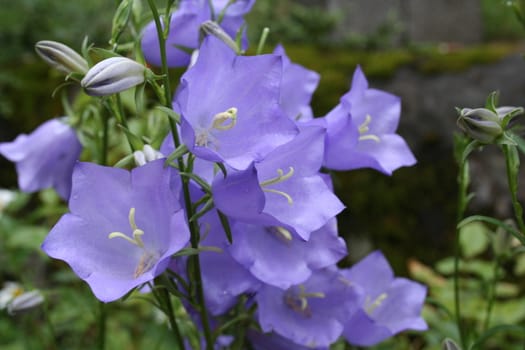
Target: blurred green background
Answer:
[[408, 215]]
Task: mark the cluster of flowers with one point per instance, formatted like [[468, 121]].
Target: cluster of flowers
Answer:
[[257, 157]]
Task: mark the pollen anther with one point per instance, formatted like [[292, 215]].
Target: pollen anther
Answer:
[[225, 120]]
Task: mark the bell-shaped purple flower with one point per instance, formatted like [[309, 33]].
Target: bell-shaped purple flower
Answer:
[[390, 305], [229, 106], [310, 314], [285, 189], [185, 26], [223, 277], [45, 158], [282, 259], [273, 341], [361, 131], [297, 88], [122, 227]]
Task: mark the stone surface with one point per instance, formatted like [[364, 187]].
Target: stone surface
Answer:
[[443, 20], [363, 17], [418, 20], [429, 118]]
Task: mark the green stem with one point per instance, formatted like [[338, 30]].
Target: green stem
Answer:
[[102, 325], [196, 280], [121, 117], [463, 181], [105, 138], [165, 299], [491, 296], [512, 163], [50, 326]]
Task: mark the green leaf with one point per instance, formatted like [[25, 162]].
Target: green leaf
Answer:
[[133, 139], [170, 112], [506, 290], [473, 239], [519, 267], [120, 20], [492, 101], [101, 54], [177, 153], [518, 140], [493, 221], [515, 330], [124, 161], [26, 237]]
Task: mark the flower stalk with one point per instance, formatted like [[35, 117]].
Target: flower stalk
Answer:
[[196, 283]]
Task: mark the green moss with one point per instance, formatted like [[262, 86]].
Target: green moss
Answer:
[[449, 59], [336, 65]]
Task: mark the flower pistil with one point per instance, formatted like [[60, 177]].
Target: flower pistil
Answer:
[[148, 258]]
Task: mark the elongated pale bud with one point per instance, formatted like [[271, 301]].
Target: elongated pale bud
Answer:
[[61, 57], [113, 75], [25, 301], [212, 28], [480, 123], [486, 125]]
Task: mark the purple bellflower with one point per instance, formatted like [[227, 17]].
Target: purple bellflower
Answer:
[[45, 158], [229, 106], [297, 88], [311, 314], [390, 305], [225, 279], [185, 26], [282, 259], [284, 190], [273, 341], [122, 227], [361, 131]]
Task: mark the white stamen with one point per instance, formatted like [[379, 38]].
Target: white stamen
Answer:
[[371, 306], [364, 129], [278, 179]]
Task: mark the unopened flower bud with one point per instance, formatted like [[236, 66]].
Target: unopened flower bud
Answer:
[[486, 125], [61, 57], [25, 301], [113, 75], [148, 154], [480, 123], [14, 298], [213, 28]]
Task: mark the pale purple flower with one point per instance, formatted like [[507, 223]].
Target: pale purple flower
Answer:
[[229, 106], [273, 341], [311, 314], [297, 88], [45, 158], [282, 259], [223, 277], [362, 131], [185, 26], [122, 227], [390, 305], [285, 189]]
